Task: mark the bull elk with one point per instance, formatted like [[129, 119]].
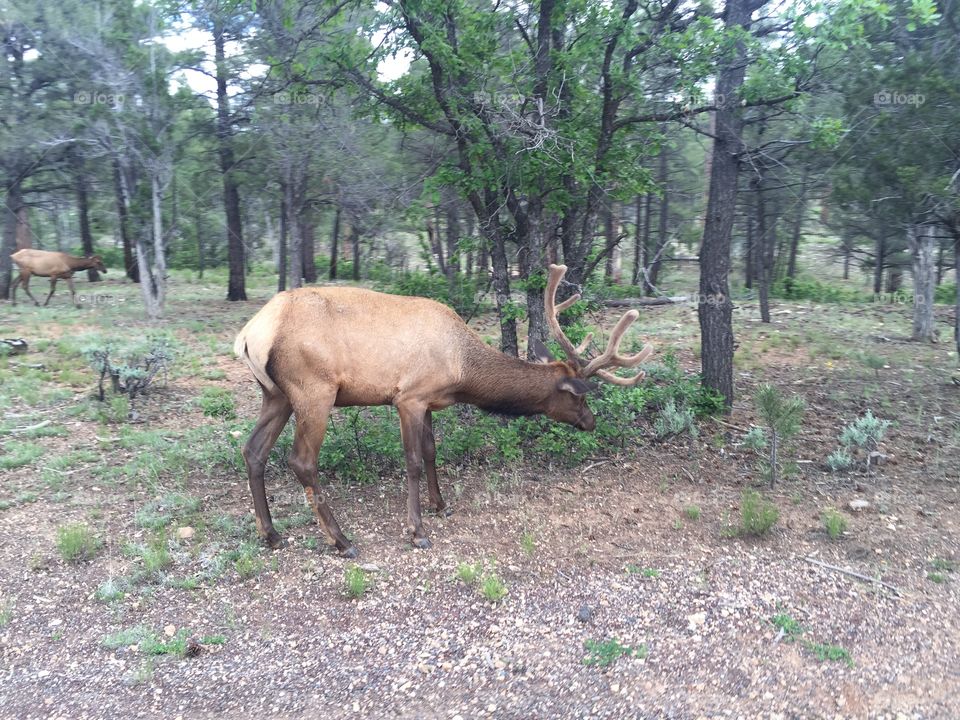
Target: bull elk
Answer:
[[54, 265], [312, 349]]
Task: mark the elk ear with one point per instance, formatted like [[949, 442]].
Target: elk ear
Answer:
[[575, 386], [540, 352]]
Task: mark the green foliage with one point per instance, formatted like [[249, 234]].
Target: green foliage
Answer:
[[757, 515], [834, 653], [673, 421], [468, 573], [160, 512], [355, 582], [834, 523], [802, 288], [604, 653], [692, 512], [782, 418], [6, 613], [528, 543], [77, 542], [493, 589], [789, 626], [217, 402], [111, 590], [150, 643], [19, 453], [945, 293], [865, 432], [839, 460]]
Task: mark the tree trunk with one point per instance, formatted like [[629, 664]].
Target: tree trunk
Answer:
[[24, 235], [130, 266], [334, 242], [83, 214], [749, 252], [295, 245], [663, 219], [308, 246], [715, 310], [469, 220], [610, 237], [880, 248], [645, 241], [798, 231], [282, 245], [198, 226], [355, 245], [236, 286], [764, 252], [14, 201], [639, 256], [154, 276], [922, 250], [956, 277]]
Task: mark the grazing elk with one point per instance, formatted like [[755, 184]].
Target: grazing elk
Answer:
[[315, 348], [54, 265]]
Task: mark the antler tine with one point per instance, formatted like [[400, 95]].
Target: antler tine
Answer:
[[611, 357], [617, 380], [552, 311]]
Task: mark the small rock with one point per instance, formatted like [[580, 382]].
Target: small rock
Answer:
[[170, 630], [696, 620], [877, 458], [370, 567], [193, 647], [859, 504], [185, 533], [585, 614]]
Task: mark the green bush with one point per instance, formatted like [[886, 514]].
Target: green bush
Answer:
[[77, 542], [805, 288], [757, 515], [945, 294], [217, 402]]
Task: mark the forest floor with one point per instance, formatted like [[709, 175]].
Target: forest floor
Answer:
[[626, 593]]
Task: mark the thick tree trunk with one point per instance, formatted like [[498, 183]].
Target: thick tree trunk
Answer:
[[153, 276], [130, 266], [334, 242], [922, 250], [715, 310], [749, 251], [14, 201], [645, 241], [236, 285], [83, 214], [663, 220]]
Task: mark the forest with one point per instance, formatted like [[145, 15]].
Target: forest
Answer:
[[756, 205]]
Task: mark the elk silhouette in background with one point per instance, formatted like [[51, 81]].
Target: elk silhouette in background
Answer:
[[54, 265], [312, 349]]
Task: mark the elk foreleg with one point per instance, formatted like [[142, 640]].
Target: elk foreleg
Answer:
[[412, 424], [25, 281], [274, 414], [437, 505]]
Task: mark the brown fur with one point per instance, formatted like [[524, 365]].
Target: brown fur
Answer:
[[54, 265]]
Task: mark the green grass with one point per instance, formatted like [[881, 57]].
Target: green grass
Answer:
[[604, 653], [647, 572], [692, 512], [355, 582], [77, 542], [792, 632], [18, 453], [834, 653], [493, 589], [469, 573], [162, 511], [111, 590], [150, 643], [938, 578], [834, 523], [6, 613], [757, 515], [528, 544], [217, 402]]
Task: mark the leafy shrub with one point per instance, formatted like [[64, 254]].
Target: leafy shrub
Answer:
[[77, 542], [217, 402], [834, 523], [805, 288], [355, 582], [865, 432], [493, 589], [757, 515], [673, 421], [945, 293], [839, 460], [469, 573], [755, 439], [131, 368]]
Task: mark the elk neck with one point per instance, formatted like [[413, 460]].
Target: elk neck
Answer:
[[506, 385]]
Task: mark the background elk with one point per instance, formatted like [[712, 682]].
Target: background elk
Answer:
[[315, 348], [54, 265]]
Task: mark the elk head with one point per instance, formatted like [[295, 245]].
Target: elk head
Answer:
[[601, 366], [97, 263]]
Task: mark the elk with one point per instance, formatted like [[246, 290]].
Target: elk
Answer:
[[315, 348], [54, 265]]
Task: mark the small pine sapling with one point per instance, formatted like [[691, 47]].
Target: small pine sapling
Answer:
[[782, 416]]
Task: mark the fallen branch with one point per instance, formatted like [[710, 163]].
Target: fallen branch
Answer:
[[851, 573], [591, 466], [28, 428], [647, 302]]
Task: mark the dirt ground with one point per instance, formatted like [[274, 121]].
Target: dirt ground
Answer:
[[634, 549]]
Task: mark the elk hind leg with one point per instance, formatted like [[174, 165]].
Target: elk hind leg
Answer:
[[312, 412], [437, 505], [53, 286], [274, 414]]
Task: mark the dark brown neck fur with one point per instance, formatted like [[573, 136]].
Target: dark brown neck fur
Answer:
[[506, 385]]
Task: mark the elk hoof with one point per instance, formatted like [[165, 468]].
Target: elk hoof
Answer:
[[422, 543], [275, 540], [350, 553]]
